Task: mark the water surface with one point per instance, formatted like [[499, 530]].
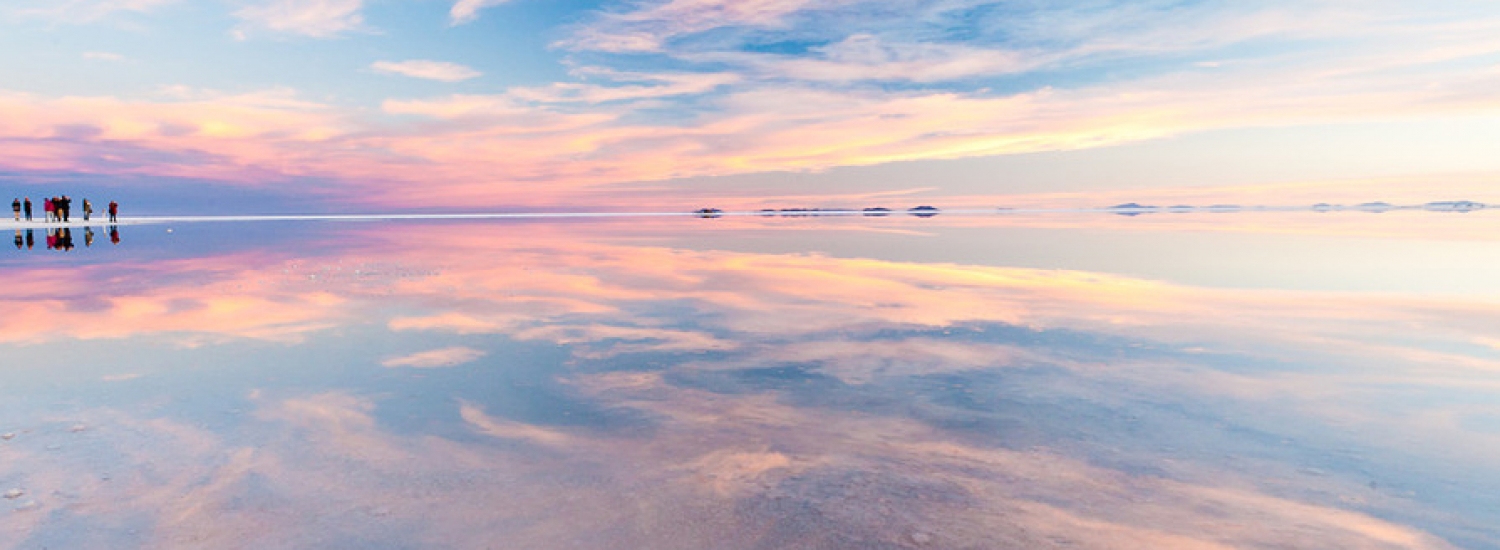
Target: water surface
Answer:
[[1086, 380]]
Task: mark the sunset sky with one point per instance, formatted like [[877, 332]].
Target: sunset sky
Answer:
[[260, 106]]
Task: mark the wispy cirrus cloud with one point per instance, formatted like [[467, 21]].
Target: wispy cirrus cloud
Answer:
[[428, 70], [313, 18], [433, 359], [625, 87], [464, 11], [81, 11], [803, 85], [866, 57], [651, 25]]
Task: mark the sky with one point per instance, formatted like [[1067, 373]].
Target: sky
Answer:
[[267, 106]]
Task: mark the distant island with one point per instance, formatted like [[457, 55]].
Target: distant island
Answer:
[[924, 211], [1454, 206], [1123, 209], [1132, 209]]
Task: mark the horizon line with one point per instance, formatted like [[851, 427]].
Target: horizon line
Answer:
[[1122, 209]]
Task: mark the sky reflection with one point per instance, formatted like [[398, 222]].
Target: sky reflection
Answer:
[[707, 383]]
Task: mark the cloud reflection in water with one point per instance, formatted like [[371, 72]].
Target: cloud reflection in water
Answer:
[[602, 388]]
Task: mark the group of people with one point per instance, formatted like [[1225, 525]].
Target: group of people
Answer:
[[58, 209], [61, 238]]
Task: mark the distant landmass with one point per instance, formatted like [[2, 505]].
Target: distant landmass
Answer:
[[1123, 209], [1454, 206], [924, 211]]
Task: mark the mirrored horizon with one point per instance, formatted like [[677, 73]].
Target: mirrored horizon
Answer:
[[750, 382]]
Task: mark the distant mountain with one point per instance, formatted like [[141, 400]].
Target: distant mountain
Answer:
[[1132, 209], [1454, 206]]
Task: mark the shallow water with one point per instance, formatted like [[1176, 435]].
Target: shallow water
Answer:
[[1083, 380]]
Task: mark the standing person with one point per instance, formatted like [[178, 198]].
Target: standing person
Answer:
[[114, 210], [49, 208], [88, 208], [66, 207], [15, 206], [27, 204]]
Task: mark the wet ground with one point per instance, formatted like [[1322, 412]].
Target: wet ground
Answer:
[[1087, 380]]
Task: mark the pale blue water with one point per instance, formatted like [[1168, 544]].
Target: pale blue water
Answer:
[[1087, 380]]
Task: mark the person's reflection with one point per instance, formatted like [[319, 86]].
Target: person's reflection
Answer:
[[30, 239], [114, 235], [20, 242], [65, 239], [88, 237], [52, 239]]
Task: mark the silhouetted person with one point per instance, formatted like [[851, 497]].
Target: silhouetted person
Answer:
[[88, 208], [27, 205], [64, 207], [114, 234], [65, 239], [20, 242], [114, 210], [15, 206], [88, 235], [30, 239]]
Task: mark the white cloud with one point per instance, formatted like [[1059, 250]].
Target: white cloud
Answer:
[[315, 18], [645, 86], [866, 57], [430, 70], [438, 358], [465, 11], [651, 24]]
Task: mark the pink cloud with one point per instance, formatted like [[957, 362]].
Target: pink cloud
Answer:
[[438, 358], [429, 70], [573, 142], [314, 18]]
